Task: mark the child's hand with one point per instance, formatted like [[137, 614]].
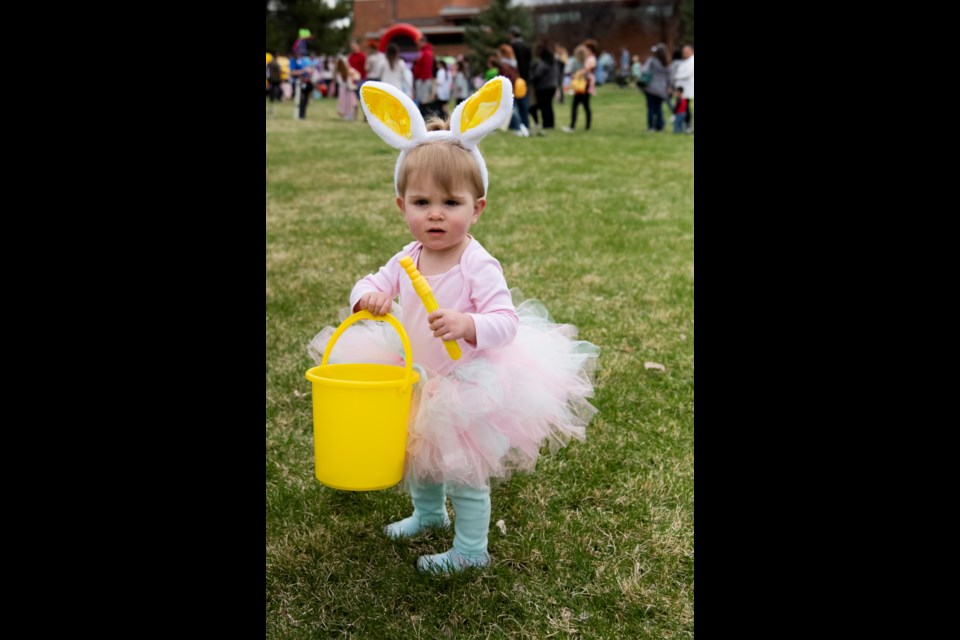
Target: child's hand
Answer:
[[448, 324], [375, 302]]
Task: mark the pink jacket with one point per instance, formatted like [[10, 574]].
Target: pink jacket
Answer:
[[476, 286]]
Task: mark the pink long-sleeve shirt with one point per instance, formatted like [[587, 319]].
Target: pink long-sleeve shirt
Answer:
[[475, 286]]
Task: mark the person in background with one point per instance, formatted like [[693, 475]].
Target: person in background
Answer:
[[623, 77], [357, 59], [444, 84], [679, 111], [507, 63], [300, 45], [424, 80], [461, 86], [583, 78], [545, 86], [684, 78], [563, 78], [636, 68], [305, 63], [375, 61], [396, 73], [273, 77], [605, 65], [523, 58], [674, 63], [656, 91], [348, 79]]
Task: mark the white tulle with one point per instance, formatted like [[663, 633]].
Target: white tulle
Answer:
[[491, 416]]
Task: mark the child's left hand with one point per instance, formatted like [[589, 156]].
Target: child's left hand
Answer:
[[448, 324]]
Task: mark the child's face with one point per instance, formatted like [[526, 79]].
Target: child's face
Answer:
[[438, 219]]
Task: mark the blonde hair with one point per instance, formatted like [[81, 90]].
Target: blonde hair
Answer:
[[580, 53], [447, 162]]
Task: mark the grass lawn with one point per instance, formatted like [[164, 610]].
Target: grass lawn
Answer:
[[599, 540]]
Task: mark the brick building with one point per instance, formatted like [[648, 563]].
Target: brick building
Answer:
[[634, 24], [442, 21]]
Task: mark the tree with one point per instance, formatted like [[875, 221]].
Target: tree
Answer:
[[686, 20], [286, 17], [491, 27]]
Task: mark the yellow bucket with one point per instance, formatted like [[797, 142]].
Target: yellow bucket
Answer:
[[360, 416]]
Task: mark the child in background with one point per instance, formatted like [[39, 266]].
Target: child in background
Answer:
[[347, 80], [493, 69], [679, 110], [636, 69]]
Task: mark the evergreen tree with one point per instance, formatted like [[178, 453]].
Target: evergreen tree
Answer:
[[686, 20], [286, 17], [491, 28]]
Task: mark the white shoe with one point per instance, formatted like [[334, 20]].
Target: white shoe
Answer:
[[567, 130], [524, 131]]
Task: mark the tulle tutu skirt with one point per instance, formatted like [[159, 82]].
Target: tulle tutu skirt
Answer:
[[491, 416]]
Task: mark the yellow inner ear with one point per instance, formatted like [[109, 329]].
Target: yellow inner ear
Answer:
[[388, 110], [481, 106]]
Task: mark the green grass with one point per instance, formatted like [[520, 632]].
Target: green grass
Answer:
[[599, 540]]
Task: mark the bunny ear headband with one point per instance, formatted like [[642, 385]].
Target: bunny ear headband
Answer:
[[395, 118]]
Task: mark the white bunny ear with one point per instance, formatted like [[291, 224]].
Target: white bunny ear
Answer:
[[392, 115], [482, 112]]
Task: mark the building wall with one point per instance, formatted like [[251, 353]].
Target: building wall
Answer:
[[614, 24], [371, 15], [407, 9], [375, 16]]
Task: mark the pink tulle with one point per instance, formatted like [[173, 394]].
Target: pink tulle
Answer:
[[491, 416]]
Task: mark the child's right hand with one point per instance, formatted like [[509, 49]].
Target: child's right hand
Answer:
[[375, 302]]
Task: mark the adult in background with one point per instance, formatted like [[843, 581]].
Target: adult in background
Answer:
[[656, 91], [273, 77], [357, 60], [674, 63], [375, 62], [305, 82], [562, 57], [605, 66], [507, 63], [684, 78], [623, 76], [424, 89], [396, 73], [300, 48], [524, 57], [444, 84], [297, 64], [545, 81], [461, 83]]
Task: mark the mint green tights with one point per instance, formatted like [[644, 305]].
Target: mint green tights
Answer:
[[472, 509]]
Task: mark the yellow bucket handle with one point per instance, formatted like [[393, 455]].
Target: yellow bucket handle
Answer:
[[366, 315]]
